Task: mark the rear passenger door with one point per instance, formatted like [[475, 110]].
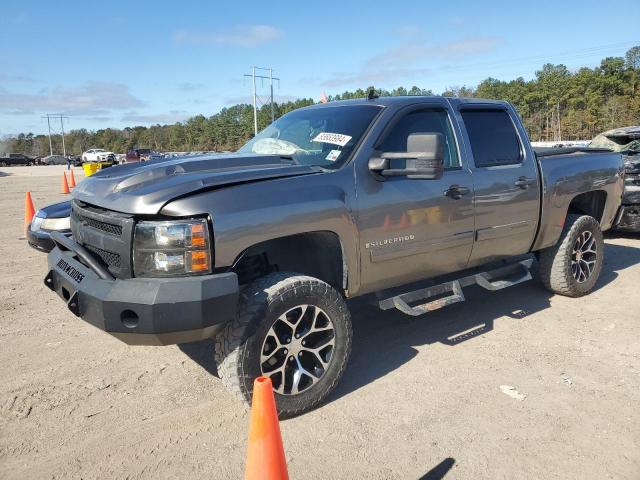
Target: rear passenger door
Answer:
[[505, 180]]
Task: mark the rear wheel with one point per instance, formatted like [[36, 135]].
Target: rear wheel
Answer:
[[573, 265], [292, 328]]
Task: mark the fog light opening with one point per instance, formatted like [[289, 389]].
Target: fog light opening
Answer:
[[129, 318]]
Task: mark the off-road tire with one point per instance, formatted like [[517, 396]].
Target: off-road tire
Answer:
[[555, 262], [238, 346]]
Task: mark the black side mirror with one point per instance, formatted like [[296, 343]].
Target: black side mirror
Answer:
[[423, 160]]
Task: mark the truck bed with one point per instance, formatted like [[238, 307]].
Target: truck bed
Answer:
[[564, 175]]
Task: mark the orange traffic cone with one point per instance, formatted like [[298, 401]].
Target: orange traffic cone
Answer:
[[404, 222], [65, 185], [72, 179], [29, 212], [386, 226], [265, 454]]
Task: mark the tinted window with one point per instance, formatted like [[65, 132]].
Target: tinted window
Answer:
[[493, 137], [424, 121]]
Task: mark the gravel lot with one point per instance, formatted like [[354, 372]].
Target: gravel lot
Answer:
[[421, 397]]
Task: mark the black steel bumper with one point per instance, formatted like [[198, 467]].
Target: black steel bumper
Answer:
[[142, 311]]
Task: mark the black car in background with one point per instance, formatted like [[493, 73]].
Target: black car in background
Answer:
[[15, 159]]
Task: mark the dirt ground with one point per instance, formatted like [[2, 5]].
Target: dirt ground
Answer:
[[421, 398]]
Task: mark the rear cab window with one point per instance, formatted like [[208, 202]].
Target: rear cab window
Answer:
[[493, 137]]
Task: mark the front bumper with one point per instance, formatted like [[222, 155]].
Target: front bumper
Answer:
[[144, 311], [41, 239]]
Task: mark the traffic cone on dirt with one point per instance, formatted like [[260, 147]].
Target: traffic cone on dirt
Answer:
[[65, 185], [29, 212], [265, 453], [72, 179]]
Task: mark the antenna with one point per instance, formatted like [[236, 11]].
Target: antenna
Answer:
[[371, 94]]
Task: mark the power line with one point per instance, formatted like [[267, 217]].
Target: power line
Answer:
[[49, 116], [271, 78]]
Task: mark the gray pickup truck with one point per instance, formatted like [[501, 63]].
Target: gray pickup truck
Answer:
[[409, 199]]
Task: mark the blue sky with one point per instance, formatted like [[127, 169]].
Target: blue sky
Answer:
[[116, 64]]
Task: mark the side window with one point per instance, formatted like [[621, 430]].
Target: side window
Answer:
[[423, 121], [493, 137]]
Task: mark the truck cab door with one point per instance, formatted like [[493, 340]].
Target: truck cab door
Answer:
[[412, 228], [505, 180]]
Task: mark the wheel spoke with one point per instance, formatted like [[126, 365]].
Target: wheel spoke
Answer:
[[297, 376], [286, 319], [281, 371]]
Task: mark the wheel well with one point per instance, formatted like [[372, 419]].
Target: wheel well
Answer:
[[589, 203], [317, 254]]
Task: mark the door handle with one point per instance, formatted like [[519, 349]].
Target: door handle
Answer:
[[523, 182], [456, 192]]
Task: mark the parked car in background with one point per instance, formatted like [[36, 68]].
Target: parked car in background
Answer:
[[54, 160], [53, 218], [627, 142], [16, 159], [76, 161], [98, 155], [141, 155]]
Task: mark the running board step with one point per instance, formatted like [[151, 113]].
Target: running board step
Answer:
[[517, 273]]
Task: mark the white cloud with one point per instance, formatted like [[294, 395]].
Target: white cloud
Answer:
[[93, 98], [247, 36], [263, 98], [172, 116], [409, 59], [191, 86]]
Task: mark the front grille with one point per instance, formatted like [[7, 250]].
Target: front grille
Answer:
[[110, 259], [107, 235], [105, 227]]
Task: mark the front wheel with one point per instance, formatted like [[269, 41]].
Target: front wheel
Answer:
[[572, 266], [292, 328]]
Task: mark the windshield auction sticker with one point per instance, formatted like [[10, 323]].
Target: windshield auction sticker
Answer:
[[334, 138], [333, 155]]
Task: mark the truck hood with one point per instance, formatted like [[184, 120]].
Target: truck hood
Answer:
[[145, 187]]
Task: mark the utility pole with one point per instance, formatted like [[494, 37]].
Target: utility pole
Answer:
[[64, 150], [271, 87], [271, 78], [255, 104], [49, 116], [49, 125]]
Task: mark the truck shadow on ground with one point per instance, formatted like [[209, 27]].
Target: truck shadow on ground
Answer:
[[383, 340]]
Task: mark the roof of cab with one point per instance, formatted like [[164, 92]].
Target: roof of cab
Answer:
[[408, 100]]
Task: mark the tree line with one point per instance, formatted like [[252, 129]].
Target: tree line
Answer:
[[557, 104]]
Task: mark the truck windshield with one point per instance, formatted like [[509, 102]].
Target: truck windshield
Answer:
[[323, 137]]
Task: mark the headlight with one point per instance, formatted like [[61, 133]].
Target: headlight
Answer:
[[44, 223], [169, 249]]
